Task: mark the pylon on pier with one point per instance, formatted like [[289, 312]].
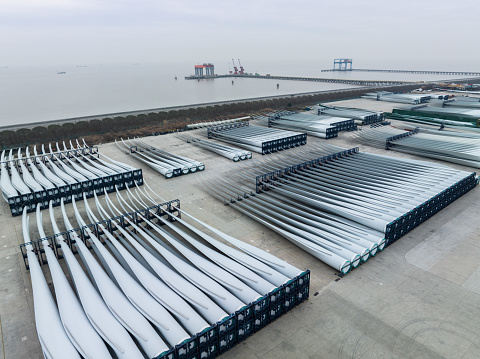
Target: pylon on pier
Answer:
[[209, 70], [343, 64]]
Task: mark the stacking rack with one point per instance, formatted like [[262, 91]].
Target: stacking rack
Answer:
[[429, 208], [365, 117], [315, 129], [258, 139], [341, 123], [389, 140]]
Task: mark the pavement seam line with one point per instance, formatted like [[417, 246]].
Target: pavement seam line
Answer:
[[1, 335]]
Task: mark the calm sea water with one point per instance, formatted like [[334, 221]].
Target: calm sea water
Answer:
[[40, 94]]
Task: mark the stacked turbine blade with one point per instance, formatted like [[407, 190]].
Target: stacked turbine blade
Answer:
[[50, 328], [167, 164], [232, 153], [361, 117], [470, 113], [8, 189], [428, 120], [465, 102], [340, 205], [460, 114], [407, 98], [451, 146], [216, 123], [315, 125], [150, 285], [258, 139], [88, 319], [31, 180]]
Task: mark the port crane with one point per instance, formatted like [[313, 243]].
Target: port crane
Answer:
[[235, 69], [242, 71]]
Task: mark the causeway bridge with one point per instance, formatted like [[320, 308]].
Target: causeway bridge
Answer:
[[314, 79], [455, 73]]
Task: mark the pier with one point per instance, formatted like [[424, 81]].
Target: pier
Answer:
[[459, 73], [314, 79]]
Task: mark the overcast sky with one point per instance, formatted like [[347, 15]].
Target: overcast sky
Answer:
[[423, 34]]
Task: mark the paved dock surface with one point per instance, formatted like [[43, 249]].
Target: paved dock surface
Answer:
[[419, 298]]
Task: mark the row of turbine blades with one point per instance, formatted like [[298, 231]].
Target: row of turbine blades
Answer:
[[147, 282]]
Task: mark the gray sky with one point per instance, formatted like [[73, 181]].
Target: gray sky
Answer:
[[421, 34]]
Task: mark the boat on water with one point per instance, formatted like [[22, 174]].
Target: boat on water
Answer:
[[61, 72]]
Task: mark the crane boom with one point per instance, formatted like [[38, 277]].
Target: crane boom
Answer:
[[235, 68]]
